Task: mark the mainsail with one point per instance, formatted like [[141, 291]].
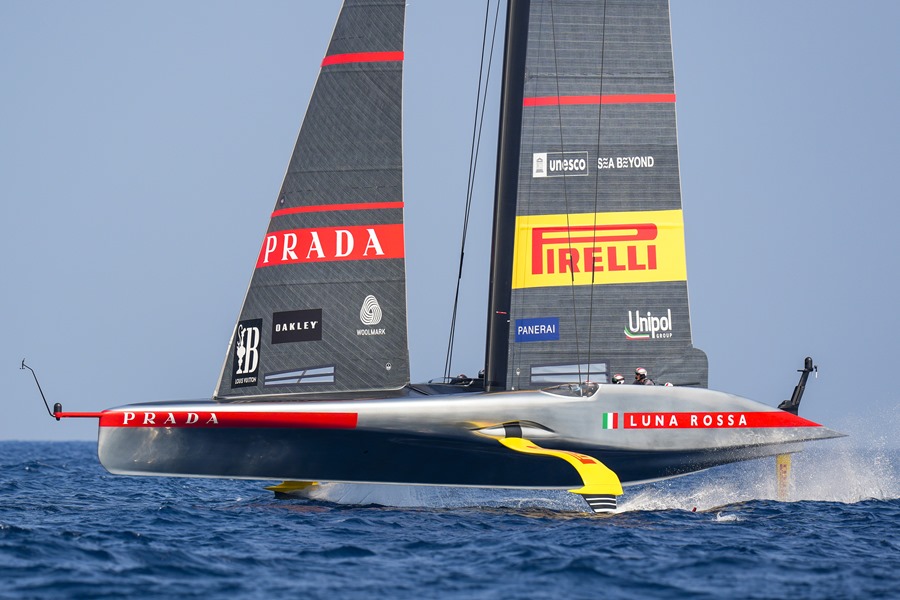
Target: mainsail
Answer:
[[326, 306], [589, 275]]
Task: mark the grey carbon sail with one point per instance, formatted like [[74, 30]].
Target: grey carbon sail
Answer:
[[590, 276], [326, 308]]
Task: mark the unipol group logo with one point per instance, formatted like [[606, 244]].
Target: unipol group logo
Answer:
[[648, 326], [245, 363], [370, 314], [599, 248], [559, 164]]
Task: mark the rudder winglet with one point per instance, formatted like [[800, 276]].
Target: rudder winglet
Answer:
[[601, 484]]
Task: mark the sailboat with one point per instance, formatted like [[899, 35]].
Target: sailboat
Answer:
[[588, 278]]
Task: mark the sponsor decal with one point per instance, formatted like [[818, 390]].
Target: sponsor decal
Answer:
[[305, 376], [228, 419], [297, 326], [245, 363], [537, 330], [559, 164], [713, 420], [370, 314], [649, 326], [625, 162], [599, 248], [610, 421], [325, 244]]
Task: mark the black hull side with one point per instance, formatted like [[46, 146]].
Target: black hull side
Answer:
[[382, 457]]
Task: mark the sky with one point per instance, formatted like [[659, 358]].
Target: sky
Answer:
[[142, 145]]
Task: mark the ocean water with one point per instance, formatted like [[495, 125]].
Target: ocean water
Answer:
[[68, 529]]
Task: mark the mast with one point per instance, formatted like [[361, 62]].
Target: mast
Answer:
[[505, 193]]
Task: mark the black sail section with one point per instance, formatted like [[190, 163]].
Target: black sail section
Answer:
[[598, 279], [326, 308]]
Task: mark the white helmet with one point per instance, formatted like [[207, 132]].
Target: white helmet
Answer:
[[641, 373], [618, 378]]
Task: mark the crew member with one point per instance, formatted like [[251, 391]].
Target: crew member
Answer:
[[618, 378], [640, 377]]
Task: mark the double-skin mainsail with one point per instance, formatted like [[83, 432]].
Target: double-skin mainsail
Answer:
[[326, 308], [589, 276]]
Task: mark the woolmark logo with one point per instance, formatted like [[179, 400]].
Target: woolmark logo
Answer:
[[370, 314], [559, 164], [648, 326], [245, 368]]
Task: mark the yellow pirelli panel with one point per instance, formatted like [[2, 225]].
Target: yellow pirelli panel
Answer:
[[599, 248]]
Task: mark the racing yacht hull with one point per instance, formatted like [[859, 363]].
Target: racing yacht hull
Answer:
[[640, 432]]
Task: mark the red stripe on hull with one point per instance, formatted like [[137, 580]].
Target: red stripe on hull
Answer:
[[713, 420], [588, 100], [228, 419], [361, 57], [330, 207]]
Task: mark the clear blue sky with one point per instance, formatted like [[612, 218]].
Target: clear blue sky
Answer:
[[142, 145]]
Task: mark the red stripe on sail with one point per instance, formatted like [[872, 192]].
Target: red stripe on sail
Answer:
[[713, 420], [361, 57], [228, 419], [610, 99], [329, 207]]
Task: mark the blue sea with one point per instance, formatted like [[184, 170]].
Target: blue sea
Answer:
[[68, 529]]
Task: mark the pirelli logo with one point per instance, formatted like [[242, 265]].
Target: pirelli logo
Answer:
[[601, 248]]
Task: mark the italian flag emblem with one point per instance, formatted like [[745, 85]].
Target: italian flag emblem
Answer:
[[610, 420]]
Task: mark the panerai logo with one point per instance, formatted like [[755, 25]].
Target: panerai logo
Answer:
[[245, 368], [648, 326], [537, 330], [370, 314]]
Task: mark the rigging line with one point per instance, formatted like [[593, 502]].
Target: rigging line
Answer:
[[477, 127], [597, 184], [566, 200]]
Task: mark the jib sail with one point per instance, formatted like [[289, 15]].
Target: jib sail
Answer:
[[589, 275], [326, 306]]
